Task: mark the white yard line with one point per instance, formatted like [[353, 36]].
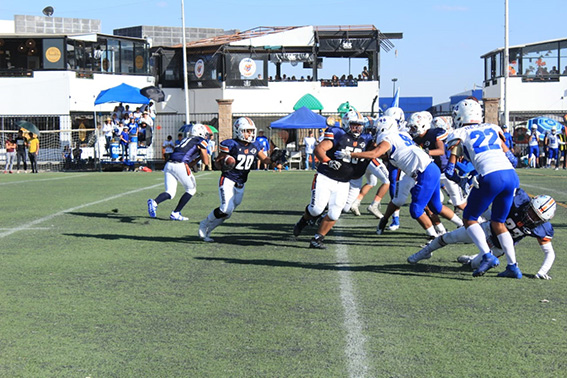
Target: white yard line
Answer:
[[29, 225], [44, 179], [355, 339], [543, 189]]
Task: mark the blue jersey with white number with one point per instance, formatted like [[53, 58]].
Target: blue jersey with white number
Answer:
[[188, 149], [244, 153], [428, 141], [482, 146], [343, 141]]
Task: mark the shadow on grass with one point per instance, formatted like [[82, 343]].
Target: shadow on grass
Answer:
[[159, 239], [418, 270], [112, 215]]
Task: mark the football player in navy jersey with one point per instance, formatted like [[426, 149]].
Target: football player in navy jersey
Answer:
[[178, 168], [331, 183], [245, 149], [527, 217]]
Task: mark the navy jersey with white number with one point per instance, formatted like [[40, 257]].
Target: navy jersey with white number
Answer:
[[244, 153], [188, 149], [342, 141], [515, 225]]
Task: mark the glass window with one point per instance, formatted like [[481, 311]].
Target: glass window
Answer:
[[127, 57], [111, 57], [540, 61], [487, 61], [563, 58], [514, 62], [140, 58], [498, 65]]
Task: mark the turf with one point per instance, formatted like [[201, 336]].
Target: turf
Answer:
[[92, 287]]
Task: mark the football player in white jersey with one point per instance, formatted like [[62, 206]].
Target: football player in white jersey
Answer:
[[404, 154], [552, 143], [483, 145], [533, 147]]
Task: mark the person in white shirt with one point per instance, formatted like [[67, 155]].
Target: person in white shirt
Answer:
[[309, 141], [168, 147], [108, 130]]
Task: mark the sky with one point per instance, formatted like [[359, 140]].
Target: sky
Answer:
[[439, 55]]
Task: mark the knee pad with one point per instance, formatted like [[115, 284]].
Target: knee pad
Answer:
[[219, 214]]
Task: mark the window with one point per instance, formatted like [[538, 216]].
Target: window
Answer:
[[540, 61]]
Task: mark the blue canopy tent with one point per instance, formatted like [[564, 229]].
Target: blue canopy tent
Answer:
[[122, 93], [302, 118]]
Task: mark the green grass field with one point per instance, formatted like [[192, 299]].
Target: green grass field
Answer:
[[90, 286]]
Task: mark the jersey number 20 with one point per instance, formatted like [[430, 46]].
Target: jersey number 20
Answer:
[[244, 162]]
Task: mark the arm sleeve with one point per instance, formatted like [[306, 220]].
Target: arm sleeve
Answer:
[[549, 257]]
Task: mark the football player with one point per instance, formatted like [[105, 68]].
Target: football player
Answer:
[[552, 142], [527, 217], [483, 145], [331, 183], [533, 147], [404, 154], [376, 170], [178, 169], [245, 150]]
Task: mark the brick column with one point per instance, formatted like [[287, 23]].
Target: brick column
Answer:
[[225, 119], [491, 106]]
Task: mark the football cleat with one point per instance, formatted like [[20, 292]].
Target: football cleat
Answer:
[[395, 223], [204, 231], [464, 259], [317, 242], [489, 261], [354, 208], [177, 216], [423, 254], [299, 226], [512, 271], [152, 207], [373, 209]]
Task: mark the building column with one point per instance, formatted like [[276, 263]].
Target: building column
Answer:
[[225, 119], [491, 114]]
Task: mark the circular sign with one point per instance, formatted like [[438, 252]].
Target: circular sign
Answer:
[[139, 62], [247, 67], [199, 68], [53, 54]]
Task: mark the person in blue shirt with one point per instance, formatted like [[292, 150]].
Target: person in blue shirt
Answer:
[[178, 169], [508, 140], [244, 148], [264, 142], [124, 140]]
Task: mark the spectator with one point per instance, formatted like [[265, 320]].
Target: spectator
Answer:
[[77, 155], [21, 151], [10, 145], [145, 134], [67, 157], [565, 71], [265, 144], [554, 71], [124, 141], [33, 151], [107, 129], [309, 141], [335, 81], [365, 74], [179, 139], [168, 147], [563, 146]]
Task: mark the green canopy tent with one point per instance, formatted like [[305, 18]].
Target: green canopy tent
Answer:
[[309, 101]]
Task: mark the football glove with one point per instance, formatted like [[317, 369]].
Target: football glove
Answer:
[[334, 164], [342, 154], [513, 159], [542, 276]]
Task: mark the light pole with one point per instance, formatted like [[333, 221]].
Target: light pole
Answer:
[[394, 86]]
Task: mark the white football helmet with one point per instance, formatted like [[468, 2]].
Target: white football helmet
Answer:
[[467, 112], [541, 209], [398, 115], [386, 124], [445, 123], [419, 123], [353, 122], [553, 130], [199, 130], [240, 126]]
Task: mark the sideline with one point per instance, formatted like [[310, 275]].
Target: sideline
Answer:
[[355, 340], [27, 226]]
